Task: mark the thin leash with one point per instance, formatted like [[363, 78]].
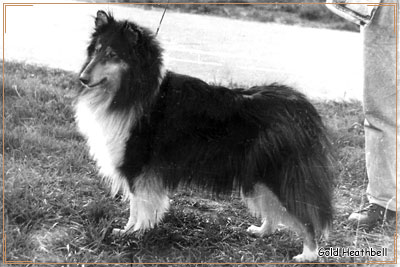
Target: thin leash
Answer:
[[159, 25]]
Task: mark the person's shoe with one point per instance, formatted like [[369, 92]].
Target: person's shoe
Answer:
[[371, 215]]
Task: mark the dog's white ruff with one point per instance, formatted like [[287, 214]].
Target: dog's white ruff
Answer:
[[106, 135]]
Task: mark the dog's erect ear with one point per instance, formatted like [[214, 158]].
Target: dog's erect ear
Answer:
[[133, 34], [101, 19]]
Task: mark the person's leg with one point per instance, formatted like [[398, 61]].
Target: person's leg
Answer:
[[380, 116]]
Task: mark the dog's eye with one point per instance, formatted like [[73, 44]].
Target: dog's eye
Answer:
[[112, 54], [97, 49]]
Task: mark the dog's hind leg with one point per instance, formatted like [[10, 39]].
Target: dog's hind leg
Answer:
[[264, 203], [310, 246]]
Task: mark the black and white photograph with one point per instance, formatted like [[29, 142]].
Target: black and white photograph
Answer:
[[200, 133]]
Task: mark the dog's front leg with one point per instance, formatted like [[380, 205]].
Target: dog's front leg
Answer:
[[150, 209], [129, 227], [148, 203]]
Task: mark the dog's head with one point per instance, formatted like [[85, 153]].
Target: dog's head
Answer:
[[122, 56], [107, 57]]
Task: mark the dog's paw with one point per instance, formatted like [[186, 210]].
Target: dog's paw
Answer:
[[260, 231], [130, 231], [254, 230], [306, 257], [118, 232]]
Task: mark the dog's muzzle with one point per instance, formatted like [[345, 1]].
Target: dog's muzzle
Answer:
[[85, 80]]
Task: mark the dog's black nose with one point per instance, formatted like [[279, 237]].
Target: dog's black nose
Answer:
[[84, 79]]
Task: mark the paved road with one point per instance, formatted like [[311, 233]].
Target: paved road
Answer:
[[322, 63]]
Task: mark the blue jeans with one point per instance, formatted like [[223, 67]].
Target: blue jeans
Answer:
[[380, 106]]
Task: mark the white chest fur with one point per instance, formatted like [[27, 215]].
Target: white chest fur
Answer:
[[106, 134]]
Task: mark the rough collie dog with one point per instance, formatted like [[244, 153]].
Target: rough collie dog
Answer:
[[150, 130]]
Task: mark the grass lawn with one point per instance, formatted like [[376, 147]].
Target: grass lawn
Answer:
[[57, 209]]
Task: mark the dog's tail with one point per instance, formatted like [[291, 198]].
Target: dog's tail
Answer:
[[307, 190], [308, 177]]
